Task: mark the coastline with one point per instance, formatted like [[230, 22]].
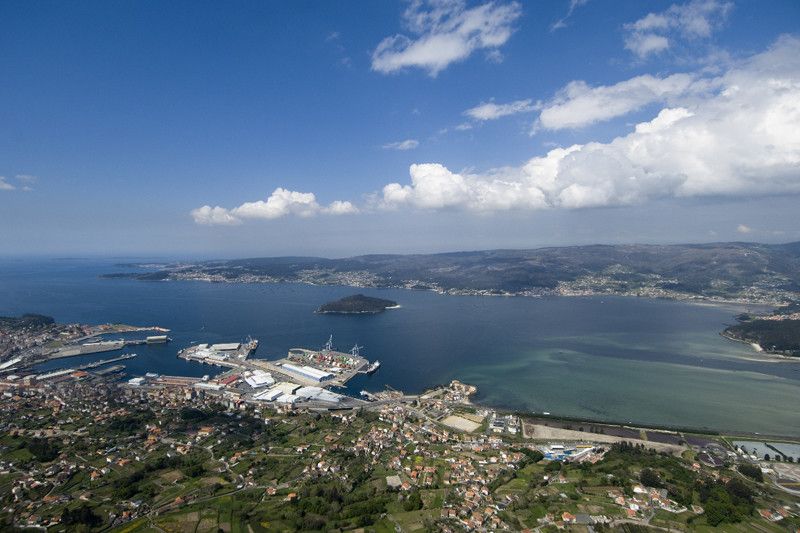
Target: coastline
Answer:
[[774, 357], [696, 299]]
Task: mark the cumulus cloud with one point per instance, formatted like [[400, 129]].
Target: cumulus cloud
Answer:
[[739, 140], [694, 20], [579, 104], [741, 228], [445, 32], [5, 186], [214, 216], [408, 144], [282, 202], [339, 207], [493, 111]]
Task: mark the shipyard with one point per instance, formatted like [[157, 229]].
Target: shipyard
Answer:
[[301, 378]]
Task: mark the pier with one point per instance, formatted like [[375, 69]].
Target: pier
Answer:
[[102, 362]]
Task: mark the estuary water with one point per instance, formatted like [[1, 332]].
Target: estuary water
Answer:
[[607, 358]]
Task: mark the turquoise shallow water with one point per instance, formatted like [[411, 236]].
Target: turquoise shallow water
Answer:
[[621, 359]]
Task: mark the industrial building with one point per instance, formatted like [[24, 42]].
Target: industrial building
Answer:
[[226, 347], [308, 372], [317, 394], [288, 398], [259, 378], [268, 395]]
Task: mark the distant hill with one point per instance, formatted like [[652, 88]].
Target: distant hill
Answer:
[[26, 321], [744, 271], [356, 304]]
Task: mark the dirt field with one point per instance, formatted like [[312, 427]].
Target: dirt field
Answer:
[[788, 476], [460, 423], [539, 432]]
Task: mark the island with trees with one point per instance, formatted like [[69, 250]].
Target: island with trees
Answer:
[[356, 304]]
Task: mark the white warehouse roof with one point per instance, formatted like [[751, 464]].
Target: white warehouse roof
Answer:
[[309, 372], [259, 378], [226, 346], [269, 395]]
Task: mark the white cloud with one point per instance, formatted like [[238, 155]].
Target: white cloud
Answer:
[[24, 182], [339, 207], [446, 31], [282, 202], [578, 104], [214, 216], [741, 228], [694, 20], [492, 111], [645, 44], [562, 22], [408, 144], [740, 140]]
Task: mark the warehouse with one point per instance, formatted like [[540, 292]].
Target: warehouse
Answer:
[[269, 395], [317, 394], [226, 347], [259, 378], [308, 372]]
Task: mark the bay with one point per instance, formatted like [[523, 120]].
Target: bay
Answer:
[[606, 358]]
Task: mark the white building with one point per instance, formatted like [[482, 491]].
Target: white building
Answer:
[[226, 347], [259, 378], [269, 395], [288, 398], [308, 372]]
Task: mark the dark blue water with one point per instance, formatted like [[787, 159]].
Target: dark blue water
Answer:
[[638, 360]]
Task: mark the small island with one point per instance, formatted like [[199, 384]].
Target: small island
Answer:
[[356, 305]]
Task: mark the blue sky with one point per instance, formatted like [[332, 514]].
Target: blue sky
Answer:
[[265, 128]]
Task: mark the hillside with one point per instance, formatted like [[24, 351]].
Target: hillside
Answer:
[[743, 271]]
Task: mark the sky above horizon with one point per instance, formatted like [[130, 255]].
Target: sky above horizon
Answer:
[[205, 129]]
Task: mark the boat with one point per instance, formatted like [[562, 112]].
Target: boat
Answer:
[[373, 367]]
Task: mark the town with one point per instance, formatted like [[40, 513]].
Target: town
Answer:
[[265, 445]]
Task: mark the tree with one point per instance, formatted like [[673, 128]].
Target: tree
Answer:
[[752, 471], [81, 515], [44, 450], [414, 502], [650, 478]]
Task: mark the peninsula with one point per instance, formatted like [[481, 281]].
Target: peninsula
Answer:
[[356, 304], [776, 333]]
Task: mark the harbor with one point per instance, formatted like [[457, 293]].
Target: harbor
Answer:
[[303, 377]]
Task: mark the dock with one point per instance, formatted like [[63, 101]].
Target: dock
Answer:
[[302, 377], [102, 362], [229, 355], [110, 370]]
